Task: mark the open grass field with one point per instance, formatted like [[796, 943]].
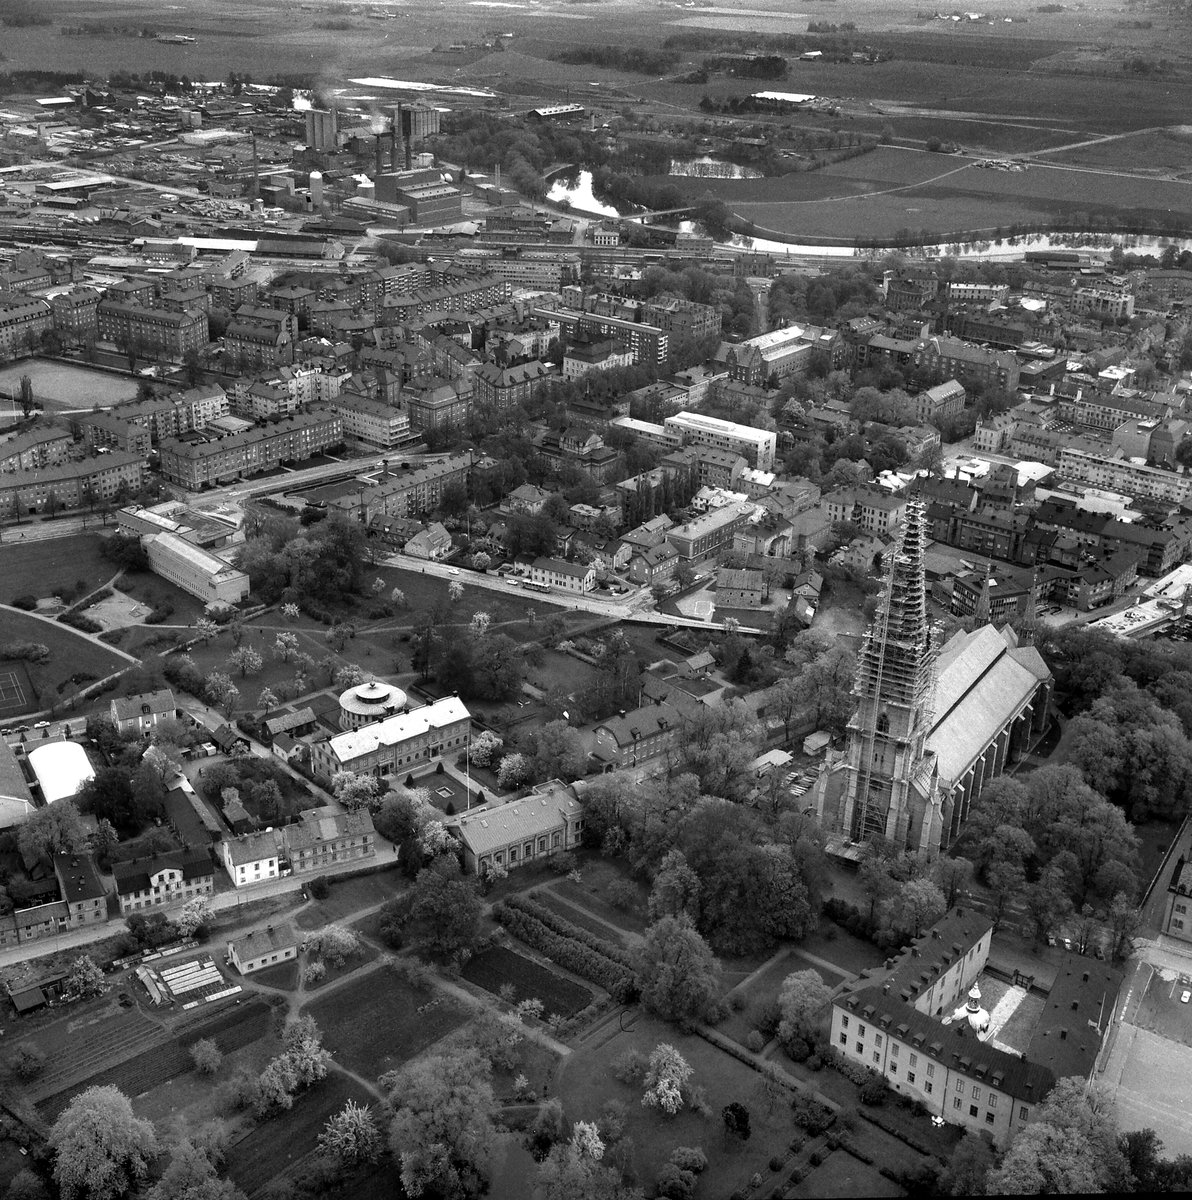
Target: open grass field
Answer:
[[493, 969], [72, 657], [281, 1141], [1165, 150], [37, 568], [587, 1081], [61, 386], [373, 1025], [348, 896]]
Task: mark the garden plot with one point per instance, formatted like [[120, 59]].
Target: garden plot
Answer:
[[494, 969]]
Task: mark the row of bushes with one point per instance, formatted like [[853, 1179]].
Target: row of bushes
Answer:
[[25, 651], [161, 611], [77, 621], [92, 598], [28, 603], [874, 1088], [568, 952], [564, 928]]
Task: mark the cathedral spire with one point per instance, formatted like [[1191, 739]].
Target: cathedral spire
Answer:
[[894, 684]]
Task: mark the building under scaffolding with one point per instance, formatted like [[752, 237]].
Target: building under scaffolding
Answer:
[[933, 724]]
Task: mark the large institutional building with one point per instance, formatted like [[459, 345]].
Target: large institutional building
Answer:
[[194, 570], [933, 725], [756, 446], [925, 1024], [402, 742]]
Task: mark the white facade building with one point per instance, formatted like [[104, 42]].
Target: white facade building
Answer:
[[398, 744], [194, 570], [757, 446]]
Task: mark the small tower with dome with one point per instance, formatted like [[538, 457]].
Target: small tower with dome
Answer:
[[369, 702]]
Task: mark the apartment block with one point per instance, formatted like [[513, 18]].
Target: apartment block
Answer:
[[71, 484], [22, 322], [371, 424], [41, 446], [756, 446], [195, 465], [404, 492], [151, 331]]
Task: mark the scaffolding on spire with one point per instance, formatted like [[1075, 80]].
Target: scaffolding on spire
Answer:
[[894, 687]]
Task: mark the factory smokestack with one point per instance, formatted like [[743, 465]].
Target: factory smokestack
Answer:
[[380, 154], [498, 176], [256, 169]]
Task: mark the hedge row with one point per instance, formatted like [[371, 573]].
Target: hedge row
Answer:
[[853, 1072], [567, 952], [78, 621], [565, 928]]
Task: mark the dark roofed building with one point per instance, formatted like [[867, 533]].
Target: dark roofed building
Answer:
[[82, 889], [170, 878], [635, 737], [919, 1023]]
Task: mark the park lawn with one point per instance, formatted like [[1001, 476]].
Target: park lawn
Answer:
[[493, 969], [276, 1144], [373, 1025], [843, 1175], [841, 948], [348, 896], [758, 995], [74, 661], [37, 568], [587, 1082], [283, 976]]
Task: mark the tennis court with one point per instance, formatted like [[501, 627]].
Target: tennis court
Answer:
[[16, 692]]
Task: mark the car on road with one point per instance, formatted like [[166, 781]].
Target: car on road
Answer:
[[42, 725], [1185, 996], [453, 570]]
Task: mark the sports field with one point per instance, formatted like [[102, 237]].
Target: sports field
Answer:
[[16, 692], [64, 387]]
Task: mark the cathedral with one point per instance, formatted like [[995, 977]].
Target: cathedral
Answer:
[[934, 724]]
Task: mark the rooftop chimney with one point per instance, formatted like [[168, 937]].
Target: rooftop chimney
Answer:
[[379, 154]]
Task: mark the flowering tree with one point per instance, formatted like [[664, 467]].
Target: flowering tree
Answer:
[[246, 660], [349, 676], [290, 611], [455, 591], [285, 645], [267, 699], [480, 623], [398, 597], [585, 1137], [484, 748], [351, 1135], [435, 839], [217, 687], [355, 791], [515, 771], [206, 629], [378, 586], [192, 916], [84, 979], [666, 1077]]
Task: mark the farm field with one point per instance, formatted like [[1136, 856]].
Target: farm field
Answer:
[[62, 386], [493, 969], [1166, 150], [71, 656], [37, 568], [278, 1143], [372, 1025], [887, 191]]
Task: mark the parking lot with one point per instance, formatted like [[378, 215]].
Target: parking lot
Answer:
[[1161, 1009]]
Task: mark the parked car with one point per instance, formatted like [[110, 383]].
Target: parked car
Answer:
[[42, 725], [1185, 996]]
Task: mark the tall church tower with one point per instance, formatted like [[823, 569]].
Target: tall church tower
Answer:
[[890, 783]]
